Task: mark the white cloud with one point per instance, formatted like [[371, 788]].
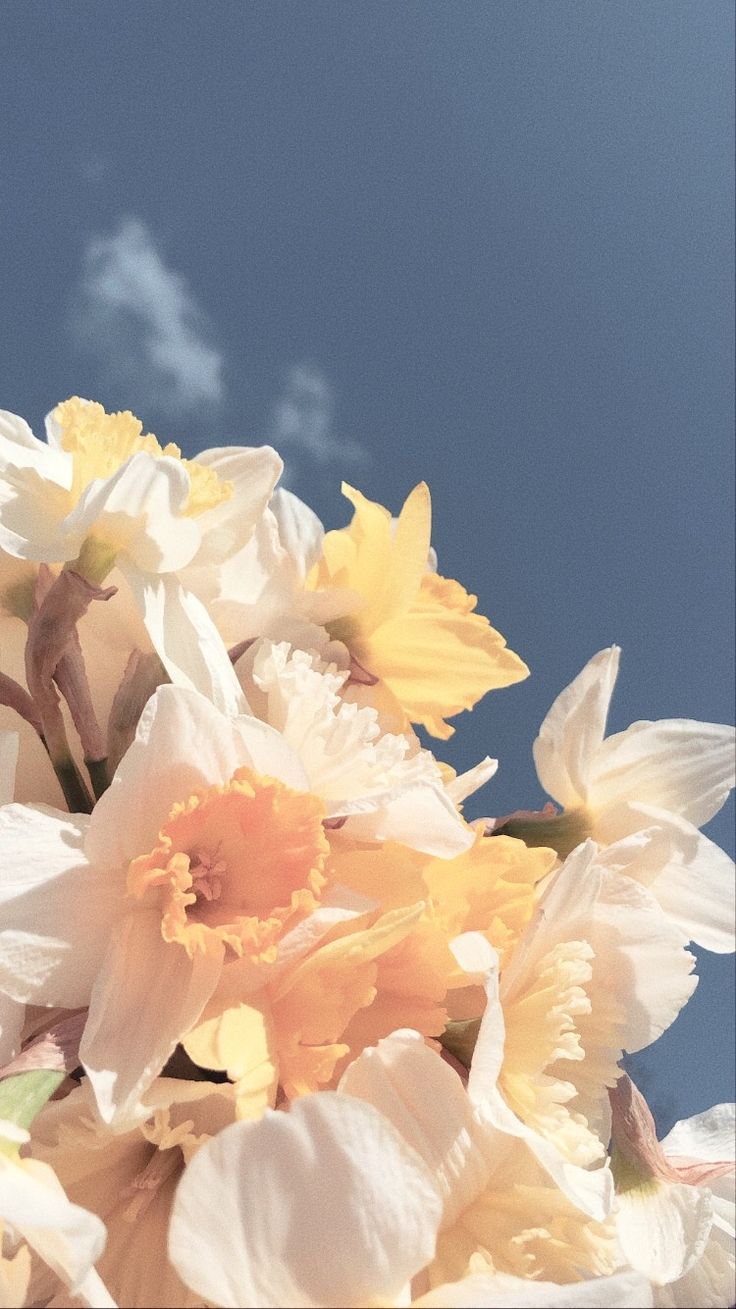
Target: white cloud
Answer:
[[140, 321], [303, 418]]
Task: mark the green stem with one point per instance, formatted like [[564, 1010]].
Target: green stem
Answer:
[[98, 775]]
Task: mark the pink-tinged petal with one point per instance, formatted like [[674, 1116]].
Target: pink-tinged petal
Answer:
[[677, 764], [182, 743], [300, 530], [66, 1237], [253, 473], [423, 817], [572, 733], [478, 1291], [148, 995], [57, 908], [710, 1136], [186, 640], [323, 1206], [692, 878], [424, 1099]]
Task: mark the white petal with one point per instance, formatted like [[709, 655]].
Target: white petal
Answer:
[[590, 1191], [324, 1206], [140, 509], [8, 763], [675, 764], [424, 818], [468, 783], [19, 448], [572, 733], [621, 1291], [182, 743], [710, 1136], [186, 640], [426, 1102], [67, 1238], [253, 473], [148, 995], [663, 1228], [692, 878], [267, 753], [300, 530], [57, 908]]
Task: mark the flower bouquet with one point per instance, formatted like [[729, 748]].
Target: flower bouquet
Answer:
[[281, 1026]]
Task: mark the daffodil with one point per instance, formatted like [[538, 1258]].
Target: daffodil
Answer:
[[675, 1209], [599, 971], [510, 1202], [209, 845], [666, 778], [101, 493], [336, 1204], [413, 633], [37, 1215]]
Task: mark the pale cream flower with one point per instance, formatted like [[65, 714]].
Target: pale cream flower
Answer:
[[101, 493], [675, 1212], [665, 779]]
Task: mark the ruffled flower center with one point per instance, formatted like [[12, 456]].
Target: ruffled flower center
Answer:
[[100, 443], [235, 865]]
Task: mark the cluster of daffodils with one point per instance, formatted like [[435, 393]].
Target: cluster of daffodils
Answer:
[[279, 1025]]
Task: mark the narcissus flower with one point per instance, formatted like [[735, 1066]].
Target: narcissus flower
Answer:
[[209, 844], [103, 493], [414, 632], [668, 777]]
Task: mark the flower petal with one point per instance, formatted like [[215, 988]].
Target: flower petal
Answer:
[[677, 764], [710, 1136], [148, 995], [478, 1291], [424, 818], [663, 1228], [324, 1205], [68, 1238], [692, 878], [185, 639], [183, 742], [57, 908], [300, 530], [253, 473], [572, 732]]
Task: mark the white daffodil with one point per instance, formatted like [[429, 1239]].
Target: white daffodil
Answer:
[[331, 1205], [101, 493], [671, 776], [380, 781], [209, 845], [511, 1204], [35, 1213], [599, 970], [675, 1211], [323, 1206]]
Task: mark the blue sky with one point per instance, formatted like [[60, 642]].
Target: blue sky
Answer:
[[489, 245]]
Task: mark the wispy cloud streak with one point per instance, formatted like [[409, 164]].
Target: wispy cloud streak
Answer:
[[140, 321], [303, 419]]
